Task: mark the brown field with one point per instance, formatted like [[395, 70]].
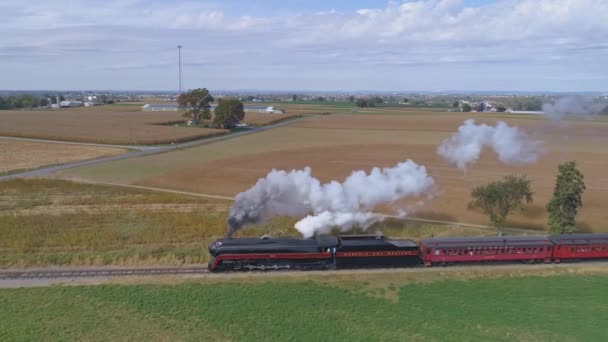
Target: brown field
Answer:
[[337, 144], [23, 155], [104, 124]]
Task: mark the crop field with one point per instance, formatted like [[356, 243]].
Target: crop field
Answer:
[[54, 222], [18, 155], [105, 124], [335, 145], [386, 306]]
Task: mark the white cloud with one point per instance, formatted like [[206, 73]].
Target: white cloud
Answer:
[[435, 44]]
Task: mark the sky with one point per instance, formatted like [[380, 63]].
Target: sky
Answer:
[[421, 45]]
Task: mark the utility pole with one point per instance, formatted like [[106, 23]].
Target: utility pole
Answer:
[[179, 54]]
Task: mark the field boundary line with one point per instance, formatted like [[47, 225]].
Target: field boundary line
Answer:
[[230, 198], [461, 224], [49, 141]]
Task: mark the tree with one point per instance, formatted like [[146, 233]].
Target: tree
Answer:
[[567, 198], [320, 99], [456, 104], [229, 113], [499, 199], [406, 100], [377, 99], [466, 107], [25, 101], [361, 103], [351, 99], [534, 103], [294, 97], [501, 108], [197, 104]]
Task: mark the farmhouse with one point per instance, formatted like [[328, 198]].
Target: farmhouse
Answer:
[[70, 104]]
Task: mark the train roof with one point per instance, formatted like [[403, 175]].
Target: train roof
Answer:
[[579, 239], [485, 241], [361, 237], [248, 241], [322, 241], [373, 240], [402, 243]]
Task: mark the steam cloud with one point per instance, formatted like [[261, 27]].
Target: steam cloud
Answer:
[[512, 145], [343, 205], [572, 106]]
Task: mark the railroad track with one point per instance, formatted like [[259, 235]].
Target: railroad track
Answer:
[[158, 271], [91, 273]]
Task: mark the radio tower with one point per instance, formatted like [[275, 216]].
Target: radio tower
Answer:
[[179, 56]]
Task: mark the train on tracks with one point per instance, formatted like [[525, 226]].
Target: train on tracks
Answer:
[[372, 251]]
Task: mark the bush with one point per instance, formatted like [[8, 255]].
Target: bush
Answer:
[[499, 199]]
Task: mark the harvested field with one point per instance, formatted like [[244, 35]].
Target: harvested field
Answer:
[[104, 124], [54, 222], [335, 145], [23, 155]]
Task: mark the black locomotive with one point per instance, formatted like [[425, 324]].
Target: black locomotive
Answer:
[[369, 251], [328, 252]]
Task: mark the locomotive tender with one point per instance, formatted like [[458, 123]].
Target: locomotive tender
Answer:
[[371, 251]]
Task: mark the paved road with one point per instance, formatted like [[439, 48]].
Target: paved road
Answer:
[[143, 151], [130, 147]]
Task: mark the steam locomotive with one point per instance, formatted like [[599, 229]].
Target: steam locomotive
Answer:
[[371, 251]]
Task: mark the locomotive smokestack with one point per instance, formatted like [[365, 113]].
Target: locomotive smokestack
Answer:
[[233, 226]]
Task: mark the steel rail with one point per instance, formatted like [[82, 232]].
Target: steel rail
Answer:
[[90, 273]]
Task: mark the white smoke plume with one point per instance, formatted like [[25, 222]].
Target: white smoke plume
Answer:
[[343, 205], [325, 221], [572, 106], [512, 145]]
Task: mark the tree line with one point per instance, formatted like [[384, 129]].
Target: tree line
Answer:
[[501, 198], [197, 105], [22, 102]]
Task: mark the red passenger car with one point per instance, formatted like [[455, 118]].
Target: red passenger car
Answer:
[[476, 249], [579, 246]]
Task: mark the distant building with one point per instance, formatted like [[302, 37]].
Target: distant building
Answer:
[[529, 112], [90, 101], [70, 104], [168, 107], [272, 110]]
